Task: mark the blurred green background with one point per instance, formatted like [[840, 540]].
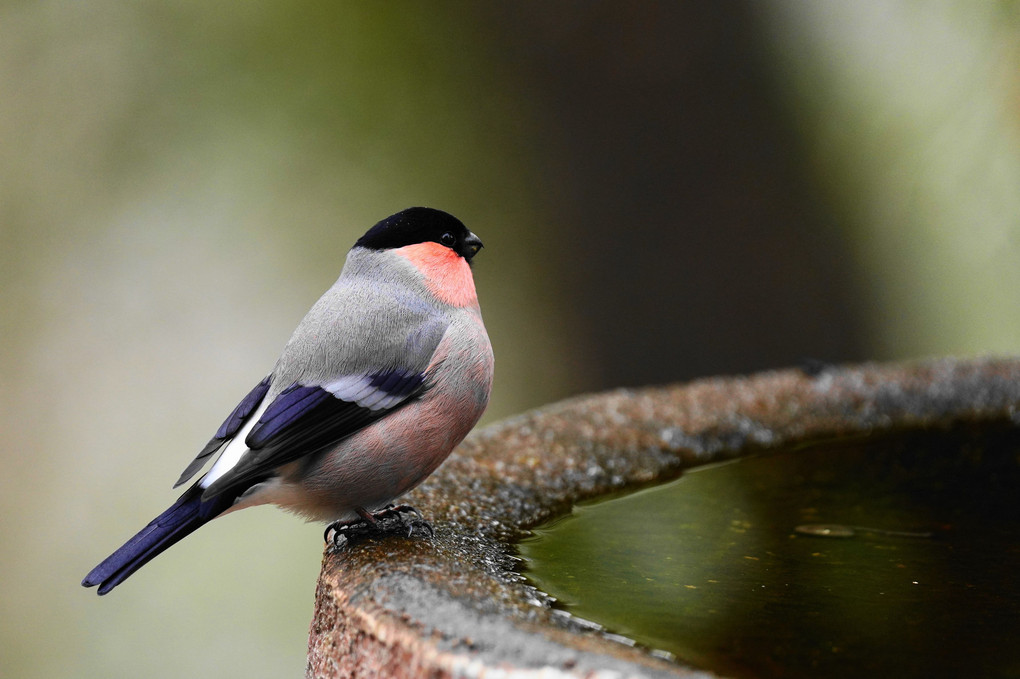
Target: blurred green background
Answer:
[[665, 191]]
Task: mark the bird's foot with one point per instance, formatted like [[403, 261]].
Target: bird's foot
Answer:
[[392, 519]]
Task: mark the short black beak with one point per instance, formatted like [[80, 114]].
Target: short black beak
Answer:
[[472, 244]]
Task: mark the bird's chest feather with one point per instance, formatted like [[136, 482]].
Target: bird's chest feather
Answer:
[[447, 275]]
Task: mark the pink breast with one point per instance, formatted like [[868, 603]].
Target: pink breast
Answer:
[[446, 273]]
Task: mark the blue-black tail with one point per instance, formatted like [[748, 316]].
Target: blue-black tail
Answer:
[[185, 516]]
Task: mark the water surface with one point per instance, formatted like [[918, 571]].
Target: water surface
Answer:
[[892, 555]]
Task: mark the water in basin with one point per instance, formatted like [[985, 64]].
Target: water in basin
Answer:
[[891, 555]]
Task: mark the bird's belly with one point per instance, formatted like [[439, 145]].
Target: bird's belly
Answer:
[[383, 461]]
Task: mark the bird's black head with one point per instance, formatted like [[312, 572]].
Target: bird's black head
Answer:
[[421, 225]]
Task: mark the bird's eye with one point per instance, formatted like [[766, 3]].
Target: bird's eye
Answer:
[[448, 239]]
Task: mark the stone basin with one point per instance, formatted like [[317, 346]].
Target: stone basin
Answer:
[[456, 605]]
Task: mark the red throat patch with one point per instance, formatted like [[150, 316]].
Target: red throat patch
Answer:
[[447, 274]]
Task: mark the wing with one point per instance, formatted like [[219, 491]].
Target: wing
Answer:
[[305, 419], [229, 427], [362, 350]]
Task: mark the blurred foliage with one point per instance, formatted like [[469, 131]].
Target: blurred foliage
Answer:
[[664, 190], [911, 122]]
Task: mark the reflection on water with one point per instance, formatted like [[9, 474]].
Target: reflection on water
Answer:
[[835, 530], [734, 567]]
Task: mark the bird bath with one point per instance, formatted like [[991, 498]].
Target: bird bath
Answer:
[[806, 540]]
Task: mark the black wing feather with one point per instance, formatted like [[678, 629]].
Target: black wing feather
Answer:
[[229, 427], [303, 420]]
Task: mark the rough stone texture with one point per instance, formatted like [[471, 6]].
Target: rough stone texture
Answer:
[[455, 605]]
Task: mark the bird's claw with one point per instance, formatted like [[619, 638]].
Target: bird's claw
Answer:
[[396, 510], [392, 519]]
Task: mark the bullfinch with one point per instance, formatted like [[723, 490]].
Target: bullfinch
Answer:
[[385, 375]]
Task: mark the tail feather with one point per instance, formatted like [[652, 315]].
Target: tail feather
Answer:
[[181, 519]]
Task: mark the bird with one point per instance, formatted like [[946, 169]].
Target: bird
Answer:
[[385, 375]]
